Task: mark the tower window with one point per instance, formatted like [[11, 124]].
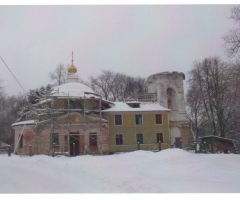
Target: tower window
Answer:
[[171, 99]]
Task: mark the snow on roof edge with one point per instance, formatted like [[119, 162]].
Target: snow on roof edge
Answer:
[[144, 107], [28, 122]]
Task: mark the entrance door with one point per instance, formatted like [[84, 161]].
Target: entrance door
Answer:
[[74, 145], [178, 142]]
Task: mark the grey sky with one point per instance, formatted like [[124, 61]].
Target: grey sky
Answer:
[[137, 40]]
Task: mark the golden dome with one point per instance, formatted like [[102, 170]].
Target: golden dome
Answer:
[[72, 68]]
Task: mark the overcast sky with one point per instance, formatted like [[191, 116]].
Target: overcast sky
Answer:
[[138, 40]]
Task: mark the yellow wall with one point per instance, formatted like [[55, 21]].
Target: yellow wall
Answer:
[[129, 129]]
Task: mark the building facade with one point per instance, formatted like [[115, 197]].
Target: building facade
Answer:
[[170, 94], [69, 121], [142, 126], [74, 120]]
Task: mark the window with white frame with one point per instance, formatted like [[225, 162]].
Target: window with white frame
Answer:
[[158, 118], [138, 119], [119, 139], [118, 119]]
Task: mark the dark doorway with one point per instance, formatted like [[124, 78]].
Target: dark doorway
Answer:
[[93, 143], [139, 138], [159, 137], [178, 142], [74, 145]]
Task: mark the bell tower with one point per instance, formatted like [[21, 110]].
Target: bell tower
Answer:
[[170, 94]]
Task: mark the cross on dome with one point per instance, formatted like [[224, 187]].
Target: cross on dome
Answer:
[[72, 69]]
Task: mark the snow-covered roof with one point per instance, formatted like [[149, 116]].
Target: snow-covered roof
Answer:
[[2, 145], [167, 73], [75, 89], [144, 106], [44, 101], [98, 119], [217, 137], [28, 122]]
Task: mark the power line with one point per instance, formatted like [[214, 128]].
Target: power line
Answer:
[[13, 75], [26, 103]]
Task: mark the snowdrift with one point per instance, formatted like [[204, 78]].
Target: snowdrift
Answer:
[[168, 171]]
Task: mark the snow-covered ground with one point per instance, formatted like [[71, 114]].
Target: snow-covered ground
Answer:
[[168, 171]]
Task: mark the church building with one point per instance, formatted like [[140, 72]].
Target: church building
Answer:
[[74, 120]]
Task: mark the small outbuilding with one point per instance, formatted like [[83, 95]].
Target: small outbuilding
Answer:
[[215, 144], [4, 147]]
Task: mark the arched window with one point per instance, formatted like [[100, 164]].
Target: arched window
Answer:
[[171, 101]]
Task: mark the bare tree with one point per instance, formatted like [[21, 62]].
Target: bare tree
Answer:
[[195, 111], [232, 39], [115, 86], [10, 110], [233, 107], [59, 75], [125, 87], [141, 85], [216, 87], [102, 84], [1, 87]]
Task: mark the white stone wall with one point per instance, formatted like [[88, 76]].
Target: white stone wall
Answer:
[[39, 142], [159, 83]]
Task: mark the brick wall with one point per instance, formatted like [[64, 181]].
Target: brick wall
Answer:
[[40, 139]]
